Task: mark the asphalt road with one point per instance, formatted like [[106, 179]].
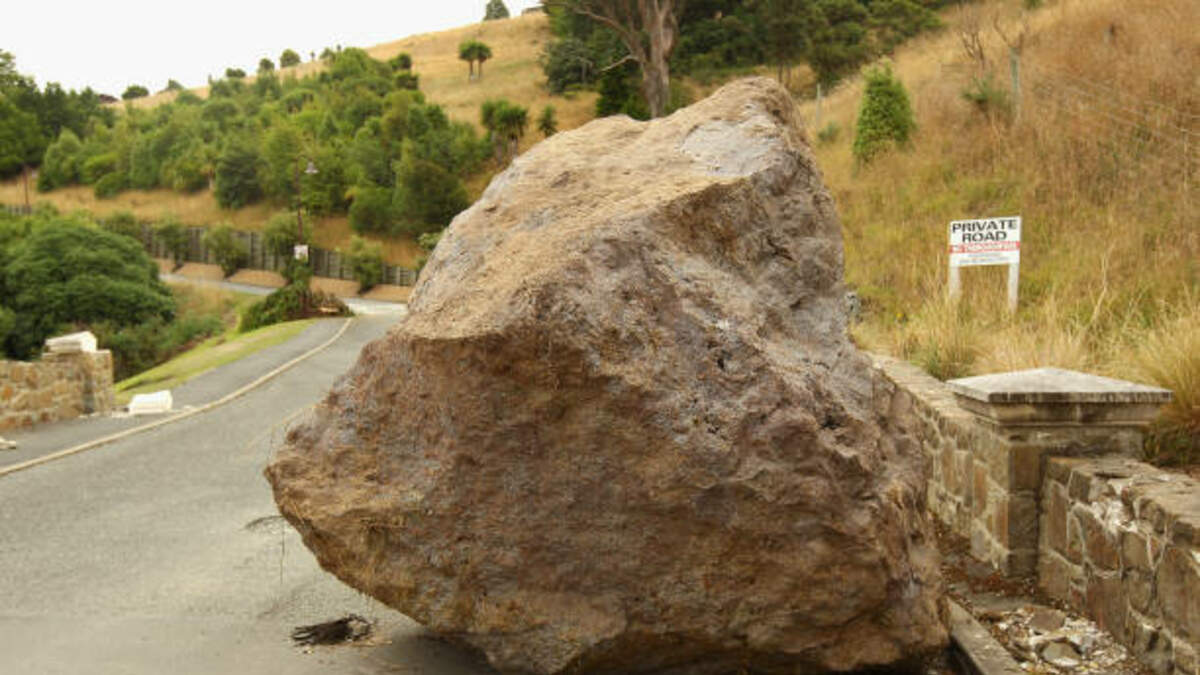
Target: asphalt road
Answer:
[[164, 553]]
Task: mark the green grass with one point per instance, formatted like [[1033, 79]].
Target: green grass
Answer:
[[209, 354]]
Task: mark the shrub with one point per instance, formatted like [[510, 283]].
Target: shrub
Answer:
[[290, 303], [265, 65], [173, 236], [366, 260], [237, 175], [427, 196], [885, 117], [409, 81], [280, 234], [372, 211], [288, 59], [96, 167], [988, 98], [401, 61], [110, 185], [123, 223], [135, 91], [548, 123], [829, 133], [60, 164], [235, 73], [231, 253], [64, 273]]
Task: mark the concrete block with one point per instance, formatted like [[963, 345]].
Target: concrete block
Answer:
[[151, 404]]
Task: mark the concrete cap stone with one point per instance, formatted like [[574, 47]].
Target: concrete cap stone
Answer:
[[1055, 385]]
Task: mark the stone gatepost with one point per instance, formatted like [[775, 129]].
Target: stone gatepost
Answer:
[[1027, 416]]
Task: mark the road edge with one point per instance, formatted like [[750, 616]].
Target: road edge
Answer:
[[45, 459]]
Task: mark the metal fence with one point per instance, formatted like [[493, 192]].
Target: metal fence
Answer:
[[324, 262]]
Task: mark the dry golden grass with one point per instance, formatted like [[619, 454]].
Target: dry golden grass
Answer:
[[512, 73], [1102, 164]]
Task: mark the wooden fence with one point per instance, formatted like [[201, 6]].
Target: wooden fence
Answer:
[[325, 263]]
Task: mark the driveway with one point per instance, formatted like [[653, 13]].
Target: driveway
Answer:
[[164, 553]]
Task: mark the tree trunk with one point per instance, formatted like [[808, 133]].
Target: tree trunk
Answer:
[[660, 25]]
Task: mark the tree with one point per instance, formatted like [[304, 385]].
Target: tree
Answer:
[[401, 61], [235, 73], [427, 196], [66, 273], [495, 10], [20, 138], [885, 117], [173, 85], [237, 181], [265, 65], [135, 91], [173, 236], [788, 25], [472, 51], [547, 123], [366, 261], [288, 59], [506, 123], [649, 29]]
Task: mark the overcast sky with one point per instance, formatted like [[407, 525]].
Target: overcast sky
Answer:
[[111, 44]]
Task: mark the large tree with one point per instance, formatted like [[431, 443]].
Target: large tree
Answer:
[[649, 29]]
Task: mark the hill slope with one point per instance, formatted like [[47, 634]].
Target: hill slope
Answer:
[[1102, 162], [513, 73]]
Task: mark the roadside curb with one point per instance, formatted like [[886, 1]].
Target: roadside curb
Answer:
[[980, 651], [4, 471]]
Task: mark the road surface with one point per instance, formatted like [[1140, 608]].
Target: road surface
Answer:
[[164, 553]]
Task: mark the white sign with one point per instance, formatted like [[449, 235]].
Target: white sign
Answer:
[[985, 241], [301, 251]]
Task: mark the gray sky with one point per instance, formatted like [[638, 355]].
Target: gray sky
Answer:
[[112, 44]]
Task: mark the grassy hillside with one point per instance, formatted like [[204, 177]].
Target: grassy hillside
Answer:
[[1102, 162], [512, 73]]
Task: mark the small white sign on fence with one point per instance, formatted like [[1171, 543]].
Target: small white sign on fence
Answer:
[[300, 251], [986, 241]]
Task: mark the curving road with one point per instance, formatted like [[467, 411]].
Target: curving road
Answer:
[[164, 553]]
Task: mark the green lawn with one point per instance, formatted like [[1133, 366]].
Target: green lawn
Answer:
[[207, 355]]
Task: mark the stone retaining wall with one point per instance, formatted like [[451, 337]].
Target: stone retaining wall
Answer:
[[1120, 542], [58, 387], [976, 487], [1053, 489]]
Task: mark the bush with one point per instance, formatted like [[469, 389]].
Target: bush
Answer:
[[495, 10], [140, 347], [110, 185], [64, 274], [288, 59], [829, 133], [173, 236], [135, 91], [548, 123], [372, 211], [988, 98], [427, 196], [231, 253], [409, 81], [366, 260], [280, 234], [885, 118], [60, 164], [401, 61], [291, 303], [123, 223], [237, 175], [96, 167]]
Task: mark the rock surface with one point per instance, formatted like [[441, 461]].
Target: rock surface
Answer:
[[622, 428]]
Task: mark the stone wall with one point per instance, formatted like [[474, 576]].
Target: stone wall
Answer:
[[1120, 542], [58, 387], [1047, 484]]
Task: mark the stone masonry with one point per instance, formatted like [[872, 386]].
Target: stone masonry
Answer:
[[1120, 542], [1038, 470], [60, 386]]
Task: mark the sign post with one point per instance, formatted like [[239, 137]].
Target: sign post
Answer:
[[986, 241]]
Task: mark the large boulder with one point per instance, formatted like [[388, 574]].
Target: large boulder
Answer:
[[622, 428]]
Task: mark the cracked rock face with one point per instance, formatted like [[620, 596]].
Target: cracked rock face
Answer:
[[622, 428]]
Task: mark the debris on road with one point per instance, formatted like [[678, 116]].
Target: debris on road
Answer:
[[350, 628], [6, 444]]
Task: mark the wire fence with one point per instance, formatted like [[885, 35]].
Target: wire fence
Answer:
[[1143, 135]]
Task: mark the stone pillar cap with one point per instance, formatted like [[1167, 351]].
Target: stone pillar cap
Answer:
[[1055, 385]]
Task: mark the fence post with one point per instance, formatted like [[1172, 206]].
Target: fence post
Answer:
[[1014, 61], [817, 122]]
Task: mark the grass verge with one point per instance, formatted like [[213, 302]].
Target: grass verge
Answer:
[[209, 354]]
